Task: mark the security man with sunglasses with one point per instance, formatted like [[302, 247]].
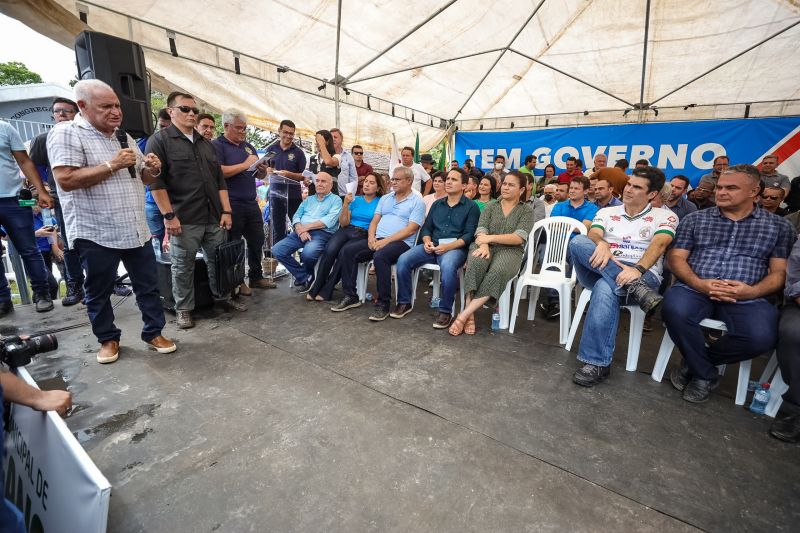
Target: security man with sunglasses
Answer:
[[193, 197]]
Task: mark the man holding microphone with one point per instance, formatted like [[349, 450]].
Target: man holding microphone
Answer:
[[100, 174]]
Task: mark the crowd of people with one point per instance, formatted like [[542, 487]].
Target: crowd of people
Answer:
[[722, 249]]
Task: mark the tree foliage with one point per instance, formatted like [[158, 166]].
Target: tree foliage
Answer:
[[16, 73]]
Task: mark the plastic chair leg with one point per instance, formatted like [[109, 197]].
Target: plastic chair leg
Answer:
[[634, 338], [504, 305], [664, 353], [565, 303], [776, 390], [531, 305], [515, 307], [772, 364], [583, 301], [414, 281], [744, 379]]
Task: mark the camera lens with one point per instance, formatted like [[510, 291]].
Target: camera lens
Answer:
[[45, 343]]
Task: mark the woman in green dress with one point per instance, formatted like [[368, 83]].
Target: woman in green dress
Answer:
[[498, 250], [486, 191]]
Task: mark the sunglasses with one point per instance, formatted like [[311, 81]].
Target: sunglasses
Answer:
[[358, 153], [186, 109], [766, 197]]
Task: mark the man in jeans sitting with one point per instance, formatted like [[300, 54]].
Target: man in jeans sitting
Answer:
[[446, 235], [315, 221], [620, 261]]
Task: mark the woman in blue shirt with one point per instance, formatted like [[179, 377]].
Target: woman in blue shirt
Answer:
[[354, 221]]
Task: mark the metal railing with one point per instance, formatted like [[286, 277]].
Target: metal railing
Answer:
[[27, 129]]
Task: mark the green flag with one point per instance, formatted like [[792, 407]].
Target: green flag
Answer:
[[416, 149], [442, 156]]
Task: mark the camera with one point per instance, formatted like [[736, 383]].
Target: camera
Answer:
[[17, 351]]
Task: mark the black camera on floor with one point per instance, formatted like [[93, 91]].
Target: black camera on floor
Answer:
[[17, 351]]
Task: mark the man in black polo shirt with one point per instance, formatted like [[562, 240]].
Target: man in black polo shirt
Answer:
[[285, 196], [236, 156], [192, 195]]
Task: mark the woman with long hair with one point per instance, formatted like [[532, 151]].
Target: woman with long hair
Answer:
[[487, 187], [549, 174], [354, 220], [329, 160], [498, 250]]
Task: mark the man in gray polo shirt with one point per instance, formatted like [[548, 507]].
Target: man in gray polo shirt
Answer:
[[771, 177]]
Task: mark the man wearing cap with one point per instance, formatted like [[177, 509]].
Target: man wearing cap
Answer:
[[703, 195]]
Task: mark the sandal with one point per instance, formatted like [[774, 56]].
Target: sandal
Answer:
[[309, 298], [469, 325], [456, 328], [319, 298]]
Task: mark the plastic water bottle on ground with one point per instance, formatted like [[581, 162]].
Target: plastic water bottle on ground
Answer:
[[760, 399], [435, 303], [368, 297], [496, 320]]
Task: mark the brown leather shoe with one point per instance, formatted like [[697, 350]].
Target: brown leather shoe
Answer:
[[442, 321], [183, 319], [244, 290], [401, 310], [263, 283], [161, 344], [109, 352]]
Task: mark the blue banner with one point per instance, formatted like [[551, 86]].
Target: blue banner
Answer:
[[687, 148]]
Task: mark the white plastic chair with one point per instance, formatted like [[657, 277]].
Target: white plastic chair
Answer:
[[665, 352], [634, 331], [437, 282], [362, 278], [553, 272]]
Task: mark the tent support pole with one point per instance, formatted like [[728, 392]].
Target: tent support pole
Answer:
[[496, 61], [425, 65], [336, 75], [740, 54], [401, 39], [644, 59], [567, 74]]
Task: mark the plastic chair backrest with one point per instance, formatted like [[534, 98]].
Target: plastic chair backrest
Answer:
[[558, 231]]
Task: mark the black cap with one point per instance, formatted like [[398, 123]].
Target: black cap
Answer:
[[426, 158]]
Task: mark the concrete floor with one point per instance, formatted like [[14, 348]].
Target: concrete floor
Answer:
[[291, 418]]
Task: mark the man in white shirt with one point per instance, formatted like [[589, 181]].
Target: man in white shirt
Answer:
[[422, 180], [347, 165], [620, 261]]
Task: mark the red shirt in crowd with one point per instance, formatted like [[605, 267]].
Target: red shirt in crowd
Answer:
[[566, 177]]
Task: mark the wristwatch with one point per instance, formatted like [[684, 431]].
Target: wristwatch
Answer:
[[642, 270], [169, 216], [227, 213]]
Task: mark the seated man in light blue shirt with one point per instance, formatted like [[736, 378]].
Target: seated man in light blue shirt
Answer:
[[315, 221], [392, 232]]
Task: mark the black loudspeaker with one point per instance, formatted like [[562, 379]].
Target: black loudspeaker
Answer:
[[120, 64]]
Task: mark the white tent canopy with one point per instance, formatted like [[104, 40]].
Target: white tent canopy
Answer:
[[429, 65]]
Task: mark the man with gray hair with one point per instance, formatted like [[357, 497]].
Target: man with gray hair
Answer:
[[193, 197], [771, 177], [93, 173], [391, 233], [236, 156]]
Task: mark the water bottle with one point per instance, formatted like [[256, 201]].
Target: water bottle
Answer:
[[156, 247], [368, 297], [435, 302], [496, 320], [760, 399]]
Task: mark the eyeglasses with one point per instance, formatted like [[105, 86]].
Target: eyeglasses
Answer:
[[63, 111], [765, 197], [186, 109], [240, 129], [358, 153]]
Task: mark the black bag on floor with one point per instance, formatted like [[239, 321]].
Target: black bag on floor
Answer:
[[230, 266]]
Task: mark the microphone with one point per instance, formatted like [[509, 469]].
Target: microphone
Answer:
[[122, 137]]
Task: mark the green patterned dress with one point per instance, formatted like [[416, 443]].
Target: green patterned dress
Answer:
[[488, 277]]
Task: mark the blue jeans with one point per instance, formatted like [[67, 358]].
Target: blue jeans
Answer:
[[752, 329], [284, 252], [72, 262], [18, 223], [100, 264], [449, 264], [600, 327], [155, 220]]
